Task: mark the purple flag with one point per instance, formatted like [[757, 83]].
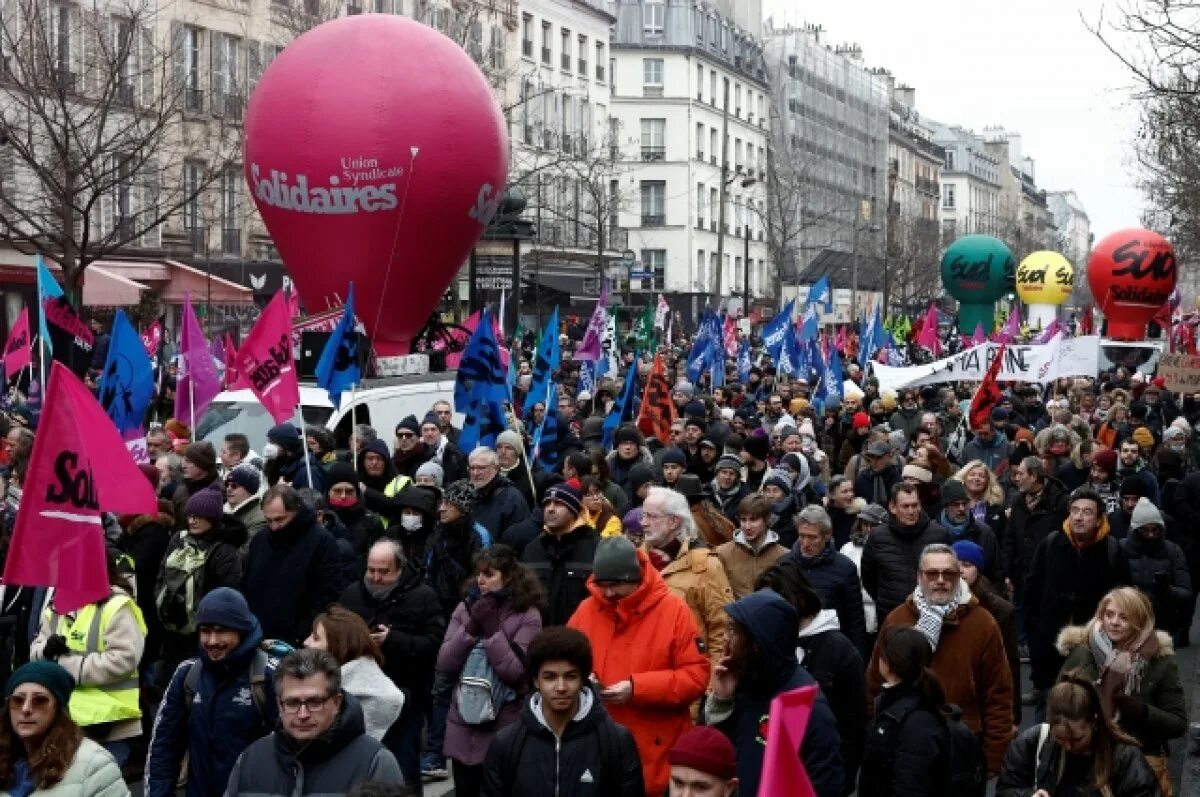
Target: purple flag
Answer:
[[591, 350], [1012, 327], [980, 335], [1052, 329], [198, 382]]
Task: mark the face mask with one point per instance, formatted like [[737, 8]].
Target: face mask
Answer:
[[271, 451], [343, 501], [411, 522]]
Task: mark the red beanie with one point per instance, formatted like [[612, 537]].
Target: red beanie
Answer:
[[1106, 458], [861, 420], [705, 749]]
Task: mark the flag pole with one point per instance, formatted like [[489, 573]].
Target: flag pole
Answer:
[[192, 402], [353, 428], [305, 452]]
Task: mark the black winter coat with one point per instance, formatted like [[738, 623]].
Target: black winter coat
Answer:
[[563, 564], [1025, 771], [985, 538], [499, 505], [1028, 528], [518, 535], [835, 580], [875, 487], [361, 528], [145, 540], [910, 760], [448, 554], [527, 760], [290, 575], [838, 667], [1064, 587], [890, 559], [415, 626], [1160, 570]]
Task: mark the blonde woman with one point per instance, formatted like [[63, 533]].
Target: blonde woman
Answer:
[[985, 498], [1135, 669]]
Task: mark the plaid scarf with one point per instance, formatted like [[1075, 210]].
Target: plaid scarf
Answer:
[[931, 617]]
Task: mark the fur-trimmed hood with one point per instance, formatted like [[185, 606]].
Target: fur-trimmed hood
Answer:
[[1074, 636]]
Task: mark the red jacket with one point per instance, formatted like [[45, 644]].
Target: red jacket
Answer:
[[651, 639]]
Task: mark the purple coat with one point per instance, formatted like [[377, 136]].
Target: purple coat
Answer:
[[465, 743]]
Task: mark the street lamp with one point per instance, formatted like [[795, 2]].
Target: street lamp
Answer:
[[506, 227], [747, 182]]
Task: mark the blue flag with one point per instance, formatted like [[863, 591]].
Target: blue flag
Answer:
[[47, 289], [545, 450], [743, 362], [834, 380], [338, 367], [791, 359], [816, 364], [587, 377], [773, 333], [820, 292], [127, 383], [717, 356], [545, 363], [481, 388], [623, 409], [700, 359]]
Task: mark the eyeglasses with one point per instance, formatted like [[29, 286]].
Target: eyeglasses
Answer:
[[652, 515], [405, 435], [292, 705], [940, 575], [39, 701]]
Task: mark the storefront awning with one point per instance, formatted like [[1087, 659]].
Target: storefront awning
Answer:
[[103, 288]]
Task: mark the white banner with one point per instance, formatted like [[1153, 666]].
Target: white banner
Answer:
[[1023, 362]]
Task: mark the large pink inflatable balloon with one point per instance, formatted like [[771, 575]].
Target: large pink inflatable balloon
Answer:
[[375, 152]]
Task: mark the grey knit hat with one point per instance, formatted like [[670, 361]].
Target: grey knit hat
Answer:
[[1145, 514], [616, 560], [432, 469]]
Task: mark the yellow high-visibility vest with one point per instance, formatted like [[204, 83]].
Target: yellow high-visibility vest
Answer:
[[392, 490], [111, 702]]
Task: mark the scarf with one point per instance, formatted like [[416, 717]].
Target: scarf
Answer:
[[956, 530], [1121, 671], [661, 557], [930, 617]]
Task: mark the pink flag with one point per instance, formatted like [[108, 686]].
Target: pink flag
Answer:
[[16, 349], [293, 303], [152, 337], [453, 358], [79, 468], [591, 349], [980, 335], [1012, 327], [782, 770], [729, 333], [929, 332], [233, 377], [198, 382], [265, 361]]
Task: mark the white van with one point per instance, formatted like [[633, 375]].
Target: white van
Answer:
[[381, 403]]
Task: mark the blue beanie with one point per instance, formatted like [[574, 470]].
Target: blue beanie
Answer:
[[968, 551], [49, 674], [285, 435], [227, 608]]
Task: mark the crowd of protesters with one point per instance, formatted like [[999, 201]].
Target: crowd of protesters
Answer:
[[616, 618]]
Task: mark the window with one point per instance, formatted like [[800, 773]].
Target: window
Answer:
[[654, 203], [654, 262], [712, 268], [712, 88], [496, 51], [701, 262], [653, 14], [527, 35], [654, 143], [226, 51], [737, 153], [193, 95], [948, 197], [123, 189], [712, 210], [546, 43], [583, 54], [565, 55], [700, 206], [700, 141], [713, 149], [193, 178], [737, 100], [652, 73], [699, 82], [950, 160], [762, 112], [600, 61], [60, 45], [231, 234]]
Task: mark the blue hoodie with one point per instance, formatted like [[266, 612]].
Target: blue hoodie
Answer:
[[774, 627], [223, 719]]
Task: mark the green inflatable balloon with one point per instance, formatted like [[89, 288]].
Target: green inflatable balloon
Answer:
[[977, 270]]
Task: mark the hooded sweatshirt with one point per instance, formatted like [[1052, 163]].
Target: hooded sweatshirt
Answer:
[[773, 627]]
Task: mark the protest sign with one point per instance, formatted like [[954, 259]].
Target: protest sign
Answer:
[[1029, 362], [1180, 372]]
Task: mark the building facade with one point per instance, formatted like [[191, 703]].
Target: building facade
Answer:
[[970, 184], [913, 230], [690, 107], [829, 148], [1026, 224]]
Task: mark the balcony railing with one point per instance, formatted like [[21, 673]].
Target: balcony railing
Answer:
[[653, 220], [231, 240], [232, 105], [123, 94], [545, 55], [193, 100], [654, 153], [565, 59], [583, 67], [123, 227], [198, 237], [600, 72], [65, 79], [527, 48]]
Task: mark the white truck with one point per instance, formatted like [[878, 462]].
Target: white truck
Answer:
[[380, 402]]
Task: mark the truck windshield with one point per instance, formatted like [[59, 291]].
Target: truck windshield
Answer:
[[251, 419]]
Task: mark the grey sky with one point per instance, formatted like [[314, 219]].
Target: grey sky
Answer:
[[1028, 65]]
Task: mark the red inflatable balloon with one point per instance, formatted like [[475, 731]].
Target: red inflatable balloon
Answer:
[[375, 152], [1131, 274]]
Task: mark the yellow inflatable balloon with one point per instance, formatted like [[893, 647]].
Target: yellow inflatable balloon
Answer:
[[1045, 278]]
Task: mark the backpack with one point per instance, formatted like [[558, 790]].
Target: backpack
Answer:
[[181, 585], [966, 765], [268, 654], [481, 694]]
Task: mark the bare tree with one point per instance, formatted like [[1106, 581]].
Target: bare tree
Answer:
[[93, 132], [911, 269]]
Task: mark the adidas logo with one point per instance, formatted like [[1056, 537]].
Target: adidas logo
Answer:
[[586, 777]]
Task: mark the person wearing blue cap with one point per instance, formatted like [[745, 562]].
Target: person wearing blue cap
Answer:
[[973, 564], [217, 703], [45, 751]]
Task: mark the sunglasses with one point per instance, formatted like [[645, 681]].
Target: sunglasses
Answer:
[[39, 701]]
